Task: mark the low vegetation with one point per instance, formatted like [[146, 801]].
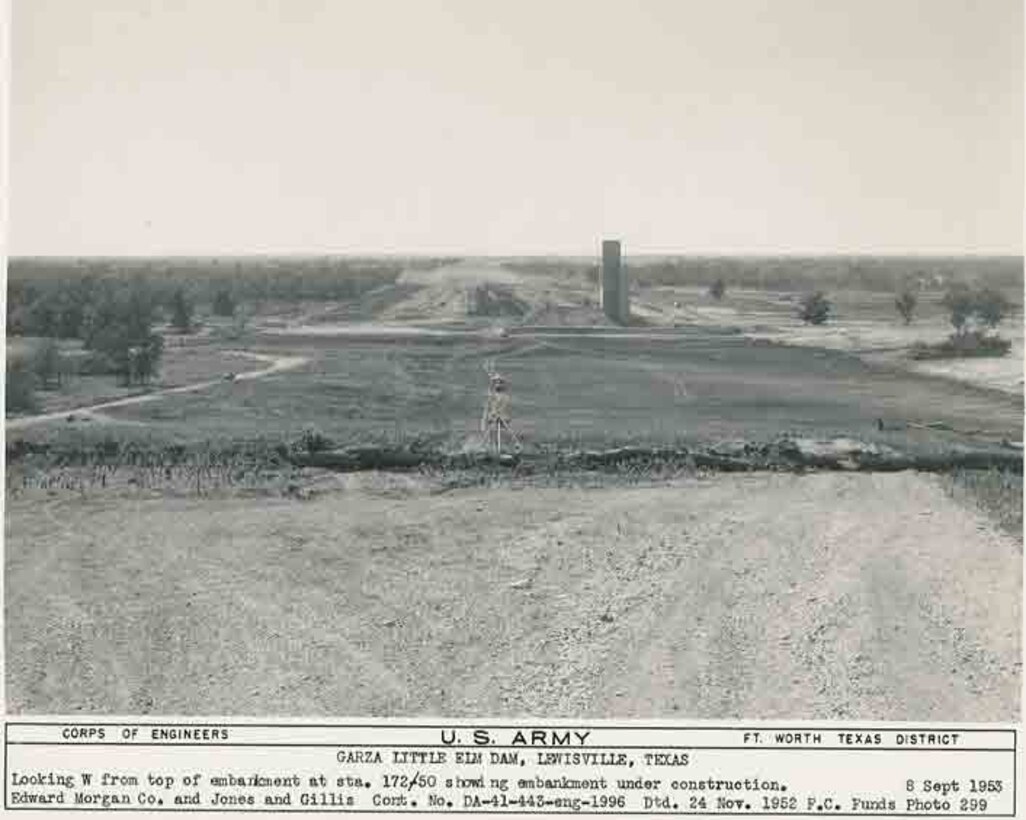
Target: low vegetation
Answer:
[[991, 479], [114, 464], [972, 313], [815, 308], [968, 344]]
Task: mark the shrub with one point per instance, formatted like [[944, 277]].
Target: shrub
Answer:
[[313, 441], [717, 289], [967, 344], [815, 308], [905, 304]]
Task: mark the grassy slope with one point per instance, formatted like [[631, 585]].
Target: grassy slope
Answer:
[[590, 391]]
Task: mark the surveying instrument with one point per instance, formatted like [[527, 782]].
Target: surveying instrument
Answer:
[[496, 417]]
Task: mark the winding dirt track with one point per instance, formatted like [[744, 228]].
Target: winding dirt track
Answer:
[[863, 596], [95, 411]]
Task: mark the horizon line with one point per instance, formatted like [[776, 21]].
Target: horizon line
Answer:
[[10, 257]]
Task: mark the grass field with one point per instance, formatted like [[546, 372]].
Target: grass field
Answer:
[[699, 386]]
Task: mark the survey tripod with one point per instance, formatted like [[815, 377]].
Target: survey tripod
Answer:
[[496, 418]]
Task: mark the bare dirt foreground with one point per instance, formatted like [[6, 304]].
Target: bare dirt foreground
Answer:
[[871, 596]]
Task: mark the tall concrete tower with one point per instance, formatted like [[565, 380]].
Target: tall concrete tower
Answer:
[[615, 301]]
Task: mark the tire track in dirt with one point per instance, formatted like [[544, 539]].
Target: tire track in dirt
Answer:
[[775, 596], [855, 615]]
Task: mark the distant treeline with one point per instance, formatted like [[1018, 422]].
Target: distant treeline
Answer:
[[796, 273], [52, 296]]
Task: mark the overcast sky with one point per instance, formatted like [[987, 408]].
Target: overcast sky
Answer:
[[535, 126]]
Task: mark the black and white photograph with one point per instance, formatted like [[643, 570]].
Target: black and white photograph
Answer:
[[468, 359]]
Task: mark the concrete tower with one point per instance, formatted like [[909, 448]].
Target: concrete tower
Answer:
[[615, 301]]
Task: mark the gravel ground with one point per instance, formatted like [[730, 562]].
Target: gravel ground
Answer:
[[752, 596]]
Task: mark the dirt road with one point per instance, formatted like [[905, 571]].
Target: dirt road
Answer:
[[95, 411], [756, 596]]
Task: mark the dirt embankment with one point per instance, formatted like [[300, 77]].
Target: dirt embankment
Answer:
[[753, 596], [488, 290], [783, 453]]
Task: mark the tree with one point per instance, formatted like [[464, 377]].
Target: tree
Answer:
[[905, 303], [968, 307], [120, 329], [240, 323], [181, 312], [135, 359], [991, 306], [42, 318], [717, 289], [815, 308], [224, 304], [47, 364], [20, 387], [144, 359], [960, 304]]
